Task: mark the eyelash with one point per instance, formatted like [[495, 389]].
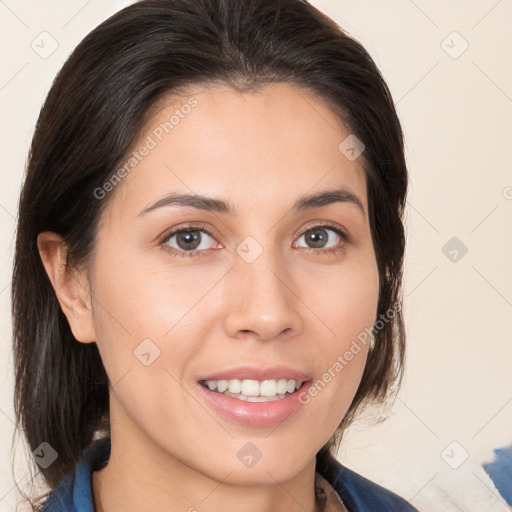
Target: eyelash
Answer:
[[191, 254]]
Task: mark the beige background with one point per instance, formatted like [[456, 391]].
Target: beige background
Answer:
[[456, 112]]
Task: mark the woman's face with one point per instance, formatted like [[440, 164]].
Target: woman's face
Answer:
[[254, 297]]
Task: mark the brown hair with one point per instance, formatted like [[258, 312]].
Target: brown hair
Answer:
[[91, 117]]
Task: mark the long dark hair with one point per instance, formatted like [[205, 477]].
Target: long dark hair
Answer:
[[96, 107]]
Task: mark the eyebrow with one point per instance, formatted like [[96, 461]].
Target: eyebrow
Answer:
[[215, 205]]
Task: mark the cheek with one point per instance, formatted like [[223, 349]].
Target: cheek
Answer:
[[345, 299], [346, 304], [151, 325], [145, 298], [146, 341]]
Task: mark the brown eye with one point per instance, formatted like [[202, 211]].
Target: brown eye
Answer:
[[185, 240], [321, 239]]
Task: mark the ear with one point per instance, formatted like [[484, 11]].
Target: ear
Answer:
[[71, 286]]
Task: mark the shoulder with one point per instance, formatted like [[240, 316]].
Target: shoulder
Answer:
[[360, 494], [74, 493]]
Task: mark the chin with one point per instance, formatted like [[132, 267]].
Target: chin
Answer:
[[259, 462]]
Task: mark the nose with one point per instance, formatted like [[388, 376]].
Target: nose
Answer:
[[264, 299]]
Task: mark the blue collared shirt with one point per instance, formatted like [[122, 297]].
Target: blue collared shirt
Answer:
[[74, 494]]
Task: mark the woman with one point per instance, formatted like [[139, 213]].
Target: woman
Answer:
[[208, 264]]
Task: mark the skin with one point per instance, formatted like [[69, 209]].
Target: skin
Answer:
[[294, 305]]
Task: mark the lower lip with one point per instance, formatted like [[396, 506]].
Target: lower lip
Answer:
[[255, 413]]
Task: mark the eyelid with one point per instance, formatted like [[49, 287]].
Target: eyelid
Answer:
[[326, 224], [188, 227]]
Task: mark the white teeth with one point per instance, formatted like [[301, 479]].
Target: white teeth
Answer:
[[222, 385], [282, 385], [254, 398], [268, 388], [250, 388], [234, 386], [254, 391]]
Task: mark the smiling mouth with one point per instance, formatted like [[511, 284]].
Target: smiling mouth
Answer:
[[249, 390]]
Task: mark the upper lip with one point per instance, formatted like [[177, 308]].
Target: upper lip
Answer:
[[258, 373]]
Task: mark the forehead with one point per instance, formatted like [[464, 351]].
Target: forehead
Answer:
[[255, 148]]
